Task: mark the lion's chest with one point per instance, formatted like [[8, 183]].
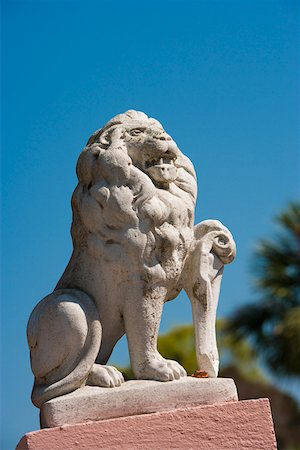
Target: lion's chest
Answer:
[[171, 247], [169, 235]]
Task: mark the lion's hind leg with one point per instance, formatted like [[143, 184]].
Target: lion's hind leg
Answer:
[[64, 336]]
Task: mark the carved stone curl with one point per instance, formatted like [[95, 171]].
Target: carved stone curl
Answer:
[[134, 248]]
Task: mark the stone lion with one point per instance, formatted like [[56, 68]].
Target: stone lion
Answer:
[[135, 248]]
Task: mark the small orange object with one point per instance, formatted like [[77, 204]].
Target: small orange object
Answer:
[[200, 374]]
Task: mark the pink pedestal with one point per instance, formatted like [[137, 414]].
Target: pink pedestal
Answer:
[[235, 425]]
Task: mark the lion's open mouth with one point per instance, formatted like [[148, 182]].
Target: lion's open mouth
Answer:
[[161, 169], [160, 161]]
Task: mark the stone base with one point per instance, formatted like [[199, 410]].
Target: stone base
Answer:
[[135, 397], [243, 425]]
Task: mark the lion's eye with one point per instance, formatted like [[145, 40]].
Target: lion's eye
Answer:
[[135, 132]]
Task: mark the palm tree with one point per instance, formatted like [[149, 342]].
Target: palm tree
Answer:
[[273, 322]]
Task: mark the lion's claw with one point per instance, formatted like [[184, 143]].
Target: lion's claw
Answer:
[[105, 376], [161, 369]]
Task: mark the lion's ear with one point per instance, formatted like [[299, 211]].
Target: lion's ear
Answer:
[[111, 135], [94, 138], [105, 138], [99, 137]]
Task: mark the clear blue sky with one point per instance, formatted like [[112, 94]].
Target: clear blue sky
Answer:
[[222, 78]]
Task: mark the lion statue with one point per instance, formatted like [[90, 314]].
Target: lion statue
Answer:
[[134, 248]]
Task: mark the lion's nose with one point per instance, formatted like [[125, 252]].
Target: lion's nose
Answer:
[[162, 137]]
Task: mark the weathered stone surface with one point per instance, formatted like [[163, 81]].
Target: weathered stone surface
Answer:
[[135, 247], [245, 425], [135, 397]]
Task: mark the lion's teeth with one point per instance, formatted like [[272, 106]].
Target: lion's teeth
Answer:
[[161, 161]]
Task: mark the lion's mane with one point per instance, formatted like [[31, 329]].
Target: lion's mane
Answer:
[[117, 205]]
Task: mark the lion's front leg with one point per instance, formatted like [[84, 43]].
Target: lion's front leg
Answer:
[[142, 315]]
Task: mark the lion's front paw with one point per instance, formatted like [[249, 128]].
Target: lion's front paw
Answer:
[[161, 369], [105, 376]]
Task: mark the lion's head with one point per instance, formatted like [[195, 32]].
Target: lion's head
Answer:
[[146, 143], [151, 149]]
